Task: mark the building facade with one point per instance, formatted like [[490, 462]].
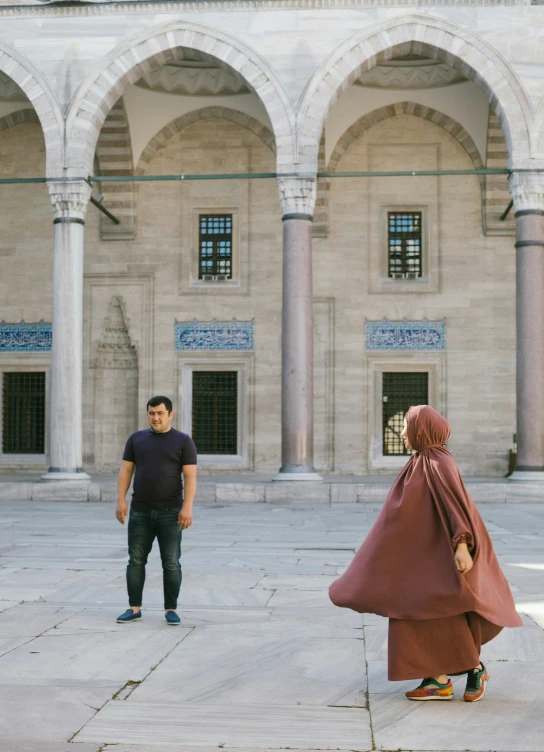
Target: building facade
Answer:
[[277, 268]]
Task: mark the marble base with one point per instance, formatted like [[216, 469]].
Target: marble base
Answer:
[[65, 476], [527, 475], [297, 476]]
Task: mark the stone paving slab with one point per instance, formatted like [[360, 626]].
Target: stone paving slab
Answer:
[[278, 661], [253, 726], [258, 637], [509, 717]]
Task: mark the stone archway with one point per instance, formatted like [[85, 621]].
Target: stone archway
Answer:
[[19, 117], [44, 101], [357, 129], [160, 139], [435, 38], [153, 48]]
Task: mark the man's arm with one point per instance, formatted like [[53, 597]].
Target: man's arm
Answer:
[[185, 517], [123, 483]]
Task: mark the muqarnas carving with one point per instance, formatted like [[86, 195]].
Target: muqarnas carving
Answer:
[[116, 388]]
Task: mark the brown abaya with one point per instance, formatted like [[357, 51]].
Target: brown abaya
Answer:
[[405, 569]]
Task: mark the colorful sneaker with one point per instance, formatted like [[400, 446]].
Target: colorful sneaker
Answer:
[[172, 618], [129, 616], [476, 684], [429, 689]]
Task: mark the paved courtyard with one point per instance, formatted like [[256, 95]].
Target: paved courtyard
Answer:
[[262, 660]]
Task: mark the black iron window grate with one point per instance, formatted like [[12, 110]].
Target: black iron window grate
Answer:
[[23, 413], [400, 392], [215, 412], [405, 245], [215, 244]]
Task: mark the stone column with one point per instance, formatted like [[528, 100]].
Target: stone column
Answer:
[[297, 196], [527, 189], [70, 202]]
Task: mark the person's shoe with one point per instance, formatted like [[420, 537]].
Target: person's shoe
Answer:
[[172, 618], [476, 684], [129, 616], [429, 689]]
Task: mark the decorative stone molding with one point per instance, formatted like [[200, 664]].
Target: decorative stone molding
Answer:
[[211, 78], [214, 335], [161, 138], [115, 349], [405, 335], [434, 38], [69, 199], [297, 195], [35, 8], [418, 75], [151, 49], [527, 190]]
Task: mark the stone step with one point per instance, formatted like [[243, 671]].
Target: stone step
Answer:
[[223, 491]]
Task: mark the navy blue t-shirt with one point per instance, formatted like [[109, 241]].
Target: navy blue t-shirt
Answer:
[[159, 460]]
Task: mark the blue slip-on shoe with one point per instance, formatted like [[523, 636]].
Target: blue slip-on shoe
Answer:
[[172, 618], [129, 616]]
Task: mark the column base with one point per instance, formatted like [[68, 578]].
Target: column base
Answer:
[[56, 475], [527, 476], [311, 475]]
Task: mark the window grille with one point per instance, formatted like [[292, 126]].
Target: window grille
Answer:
[[400, 391], [23, 413], [405, 245], [215, 412], [215, 246]]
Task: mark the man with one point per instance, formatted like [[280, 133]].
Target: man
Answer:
[[159, 509]]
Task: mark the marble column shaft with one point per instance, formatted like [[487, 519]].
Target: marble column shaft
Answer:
[[66, 420], [297, 196], [528, 195]]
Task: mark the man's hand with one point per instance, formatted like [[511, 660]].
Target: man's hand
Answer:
[[462, 558], [185, 516], [121, 511]]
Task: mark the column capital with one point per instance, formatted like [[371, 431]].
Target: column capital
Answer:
[[297, 196], [527, 190], [69, 200]]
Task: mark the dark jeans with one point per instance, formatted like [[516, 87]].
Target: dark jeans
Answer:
[[143, 527]]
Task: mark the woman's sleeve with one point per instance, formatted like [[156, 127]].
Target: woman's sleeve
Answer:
[[455, 502]]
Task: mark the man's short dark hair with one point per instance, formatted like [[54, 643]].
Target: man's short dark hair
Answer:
[[156, 401]]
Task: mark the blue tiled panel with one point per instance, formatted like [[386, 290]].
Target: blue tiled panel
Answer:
[[405, 335], [214, 335], [25, 337]]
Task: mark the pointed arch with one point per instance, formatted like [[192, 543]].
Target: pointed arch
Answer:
[[470, 54], [160, 139], [19, 117], [455, 129], [151, 49], [43, 99], [358, 128]]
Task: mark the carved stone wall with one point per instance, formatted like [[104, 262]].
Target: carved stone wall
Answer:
[[116, 388]]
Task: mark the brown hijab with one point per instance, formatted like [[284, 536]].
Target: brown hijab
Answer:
[[405, 568]]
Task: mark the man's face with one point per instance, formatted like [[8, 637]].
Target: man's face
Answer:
[[159, 418]]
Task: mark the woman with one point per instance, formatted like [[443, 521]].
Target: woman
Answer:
[[428, 564]]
